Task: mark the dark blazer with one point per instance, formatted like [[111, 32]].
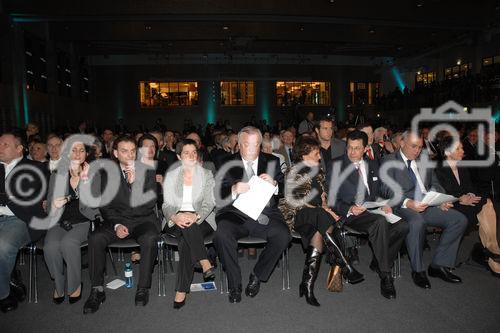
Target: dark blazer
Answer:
[[167, 157], [120, 209], [337, 150], [348, 191], [402, 177], [449, 182], [35, 187], [282, 151], [218, 156], [238, 174]]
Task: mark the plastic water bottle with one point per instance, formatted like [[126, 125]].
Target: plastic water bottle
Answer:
[[129, 276]]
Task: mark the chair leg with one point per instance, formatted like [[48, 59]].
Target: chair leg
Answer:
[[112, 262], [221, 278], [30, 288], [160, 267], [165, 271], [283, 271], [287, 269], [35, 274]]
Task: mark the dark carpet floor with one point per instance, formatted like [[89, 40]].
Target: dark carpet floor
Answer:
[[473, 306]]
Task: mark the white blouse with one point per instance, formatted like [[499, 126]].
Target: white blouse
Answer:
[[187, 199]]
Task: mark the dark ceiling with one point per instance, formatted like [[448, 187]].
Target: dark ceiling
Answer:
[[327, 27]]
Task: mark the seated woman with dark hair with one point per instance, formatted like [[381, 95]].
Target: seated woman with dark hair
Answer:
[[63, 241], [188, 207], [477, 207], [311, 217]]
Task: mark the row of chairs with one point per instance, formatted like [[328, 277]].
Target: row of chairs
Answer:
[[165, 259]]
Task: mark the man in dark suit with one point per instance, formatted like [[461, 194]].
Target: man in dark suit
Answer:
[[363, 184], [286, 148], [415, 181], [372, 153], [331, 147], [17, 208], [233, 224], [129, 213]]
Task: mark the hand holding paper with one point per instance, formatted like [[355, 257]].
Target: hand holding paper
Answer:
[[253, 201]]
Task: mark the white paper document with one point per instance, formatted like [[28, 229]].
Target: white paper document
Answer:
[[435, 198], [253, 202], [115, 284], [375, 204], [391, 218]]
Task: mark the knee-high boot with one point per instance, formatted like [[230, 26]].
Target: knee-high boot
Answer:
[[333, 243], [311, 269]]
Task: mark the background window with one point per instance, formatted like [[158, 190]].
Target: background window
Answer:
[[424, 79], [290, 93], [364, 93], [167, 94], [237, 93]]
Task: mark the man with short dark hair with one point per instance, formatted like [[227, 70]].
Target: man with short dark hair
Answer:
[[331, 147], [125, 216], [307, 125], [363, 184]]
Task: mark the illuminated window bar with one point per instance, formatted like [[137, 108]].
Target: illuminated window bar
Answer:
[[237, 93], [309, 93], [364, 93], [424, 79], [168, 94]]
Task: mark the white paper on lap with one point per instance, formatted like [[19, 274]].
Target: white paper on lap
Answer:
[[253, 202]]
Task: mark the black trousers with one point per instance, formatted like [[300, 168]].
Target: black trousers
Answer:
[[231, 227], [191, 250], [386, 238], [146, 234]]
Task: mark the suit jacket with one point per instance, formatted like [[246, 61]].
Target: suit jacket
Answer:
[[119, 209], [237, 174], [449, 182], [25, 207], [348, 195], [94, 187], [337, 149], [402, 177], [282, 150], [202, 198], [167, 157], [218, 156]]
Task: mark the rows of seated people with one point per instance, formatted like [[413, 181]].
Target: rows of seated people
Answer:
[[103, 189]]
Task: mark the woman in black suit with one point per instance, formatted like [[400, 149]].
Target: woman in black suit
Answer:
[[311, 217], [477, 207]]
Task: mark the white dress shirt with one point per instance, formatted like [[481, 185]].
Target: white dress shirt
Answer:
[[4, 210], [53, 164], [413, 166]]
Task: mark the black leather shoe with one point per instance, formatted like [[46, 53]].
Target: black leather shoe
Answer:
[[387, 286], [95, 299], [444, 274], [421, 280], [235, 295], [253, 286], [209, 275], [9, 303], [142, 296], [17, 287]]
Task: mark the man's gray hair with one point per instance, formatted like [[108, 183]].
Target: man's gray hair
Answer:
[[250, 130], [406, 134]]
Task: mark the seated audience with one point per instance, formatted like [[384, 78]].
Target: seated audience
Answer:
[[15, 216], [126, 215], [478, 208], [233, 224], [362, 184], [63, 240], [312, 218], [188, 207], [415, 181]]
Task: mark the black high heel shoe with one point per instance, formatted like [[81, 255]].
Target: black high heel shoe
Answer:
[[178, 305], [73, 300], [58, 300], [350, 273]]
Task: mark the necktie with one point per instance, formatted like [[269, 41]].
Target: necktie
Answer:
[[365, 181], [370, 153], [413, 177], [290, 155], [3, 195], [249, 170]]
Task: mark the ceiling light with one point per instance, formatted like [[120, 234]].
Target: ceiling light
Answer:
[[301, 28], [371, 30], [420, 3], [459, 61], [225, 27], [419, 72], [147, 27]]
